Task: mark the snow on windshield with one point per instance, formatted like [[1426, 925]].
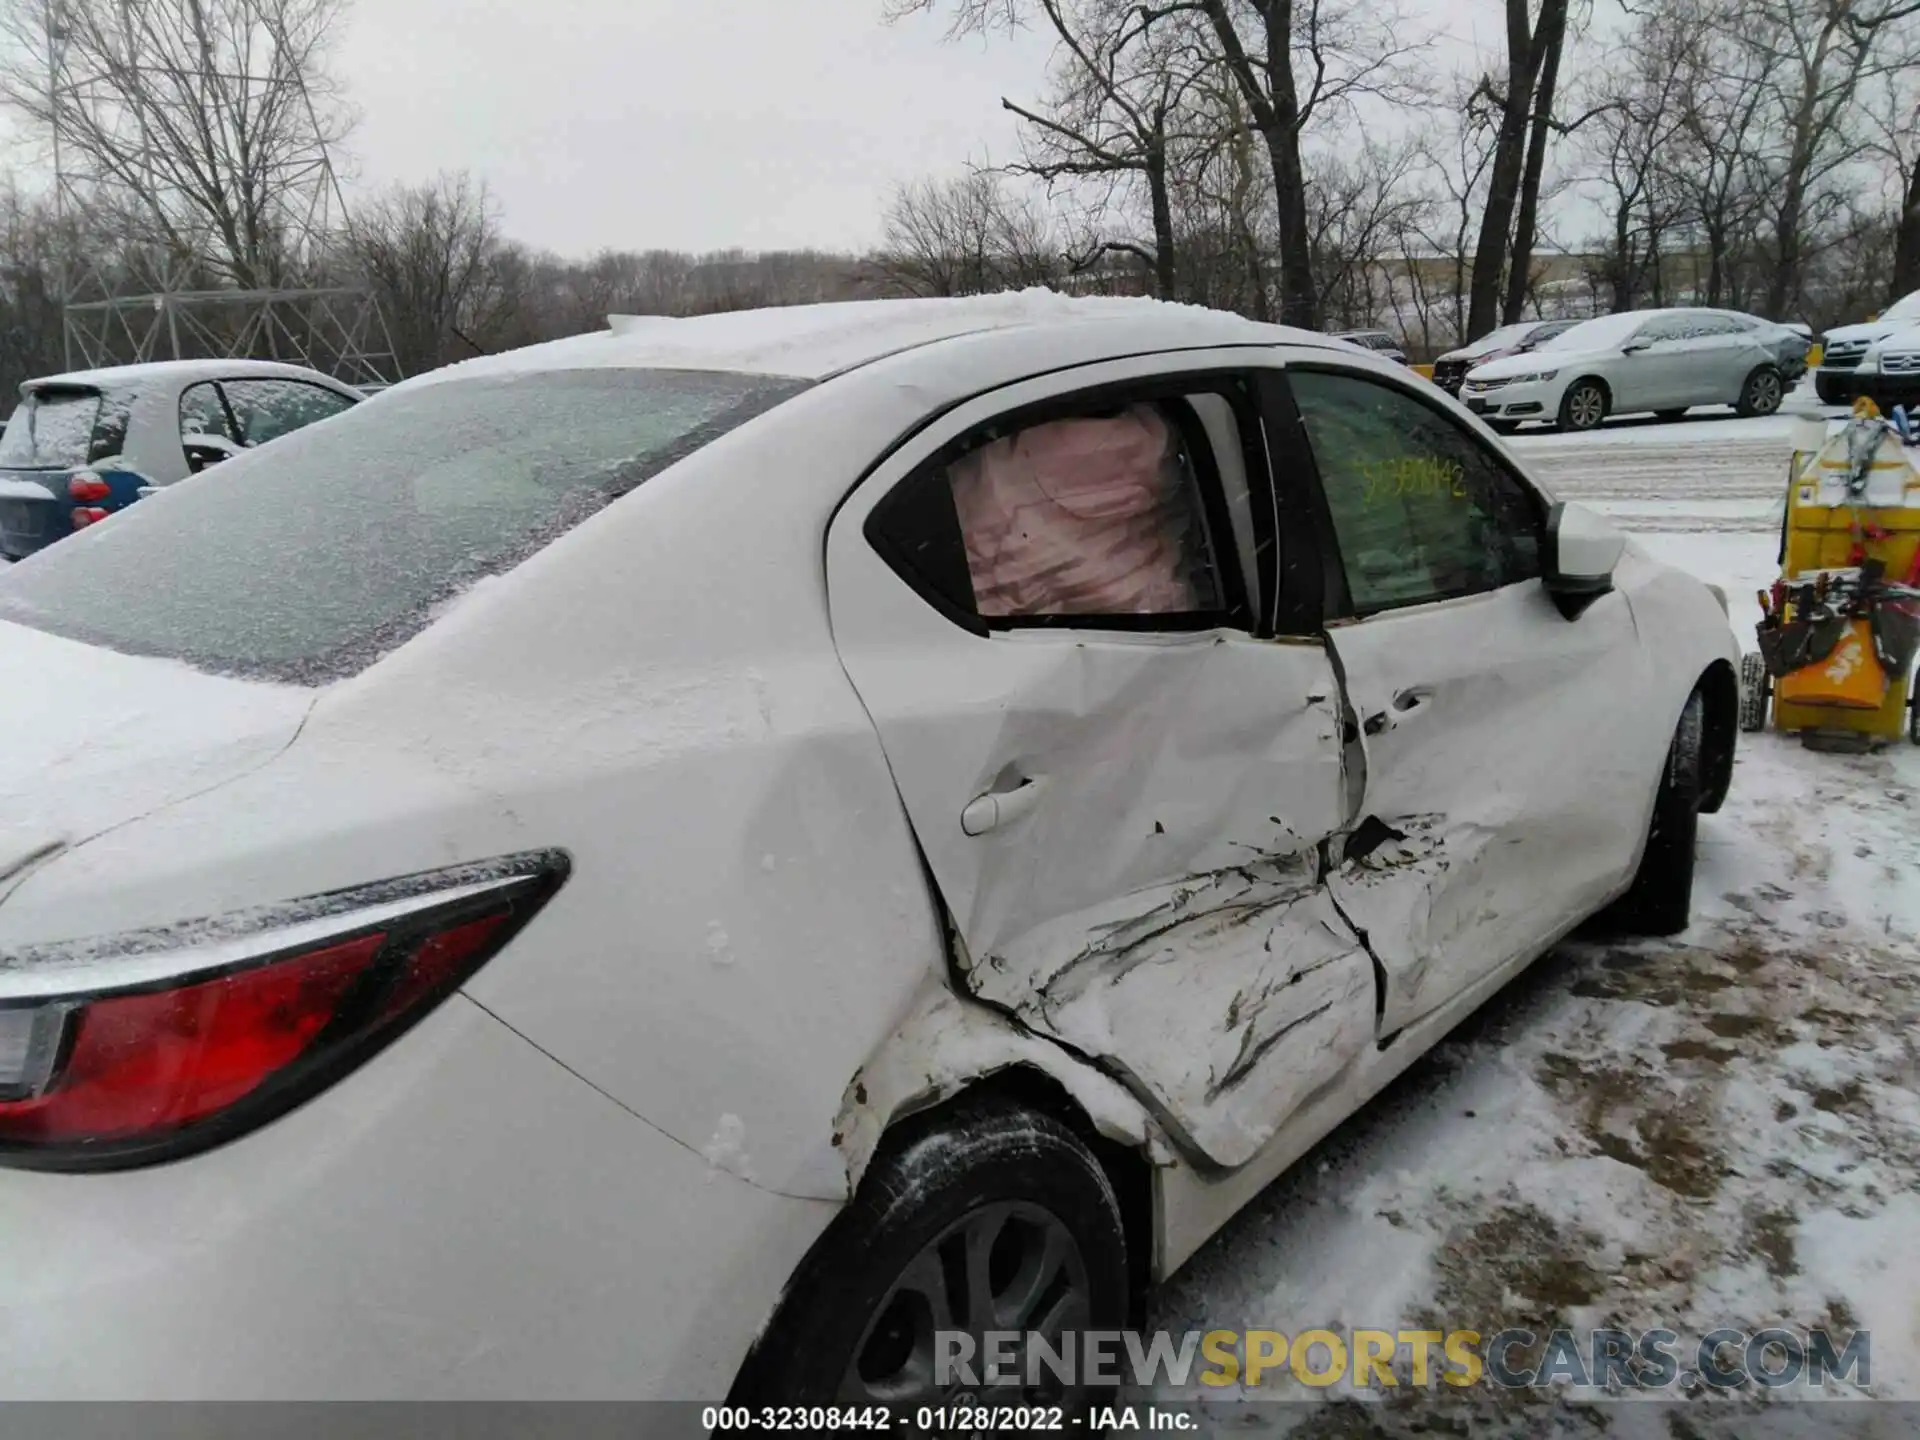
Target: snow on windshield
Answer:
[[308, 559], [1606, 333]]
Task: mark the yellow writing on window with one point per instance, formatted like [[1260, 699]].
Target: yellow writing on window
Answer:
[[1420, 476]]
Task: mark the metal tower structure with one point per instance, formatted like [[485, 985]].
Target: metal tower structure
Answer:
[[176, 259]]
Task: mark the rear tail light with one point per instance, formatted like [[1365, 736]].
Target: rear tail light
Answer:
[[87, 515], [167, 1047], [87, 487]]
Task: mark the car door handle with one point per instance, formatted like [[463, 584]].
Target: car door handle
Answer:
[[999, 807]]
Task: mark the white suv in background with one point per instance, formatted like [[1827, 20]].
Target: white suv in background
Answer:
[[1846, 346]]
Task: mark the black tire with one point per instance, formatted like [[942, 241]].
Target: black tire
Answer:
[[1832, 390], [1761, 392], [1669, 416], [1584, 406], [1660, 900], [854, 1328], [1756, 688]]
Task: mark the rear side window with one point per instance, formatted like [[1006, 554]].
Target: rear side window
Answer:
[[1095, 517], [62, 429], [307, 560], [201, 413], [268, 409]]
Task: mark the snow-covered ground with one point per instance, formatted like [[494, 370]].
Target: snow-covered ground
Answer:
[[1721, 1131]]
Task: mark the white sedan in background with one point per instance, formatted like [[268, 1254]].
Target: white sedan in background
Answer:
[[678, 862], [1659, 361]]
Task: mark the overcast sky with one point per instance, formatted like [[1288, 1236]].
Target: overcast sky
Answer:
[[696, 124], [691, 124]]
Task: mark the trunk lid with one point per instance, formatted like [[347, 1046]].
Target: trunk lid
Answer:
[[90, 739]]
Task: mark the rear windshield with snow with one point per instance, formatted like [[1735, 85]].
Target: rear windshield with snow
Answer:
[[306, 560], [62, 429]]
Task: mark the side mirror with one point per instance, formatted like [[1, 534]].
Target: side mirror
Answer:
[[205, 450], [1634, 347], [1582, 550]]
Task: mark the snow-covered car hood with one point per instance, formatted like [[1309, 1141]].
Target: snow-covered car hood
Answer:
[[91, 739], [1534, 361], [1480, 350], [1900, 338], [1870, 331]]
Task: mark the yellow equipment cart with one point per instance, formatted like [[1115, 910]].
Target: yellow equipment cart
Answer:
[[1841, 626]]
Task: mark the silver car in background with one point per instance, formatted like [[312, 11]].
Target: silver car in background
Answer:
[[1659, 361]]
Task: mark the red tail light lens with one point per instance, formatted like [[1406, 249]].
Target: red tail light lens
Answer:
[[88, 516], [163, 1065], [88, 488]]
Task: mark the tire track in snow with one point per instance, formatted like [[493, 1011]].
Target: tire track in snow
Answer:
[[1738, 482]]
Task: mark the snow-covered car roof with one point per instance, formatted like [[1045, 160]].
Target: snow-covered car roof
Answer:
[[812, 342], [181, 372]]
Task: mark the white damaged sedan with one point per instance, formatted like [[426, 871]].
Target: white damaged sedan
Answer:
[[681, 862]]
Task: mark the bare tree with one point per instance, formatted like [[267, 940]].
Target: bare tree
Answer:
[[1722, 87], [1120, 73], [429, 253], [966, 236], [202, 122], [1345, 52], [1358, 208], [1818, 58], [1639, 101], [32, 243], [1893, 113], [1522, 99], [1225, 200], [1459, 159]]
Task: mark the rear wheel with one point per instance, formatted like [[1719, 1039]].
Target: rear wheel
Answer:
[[1584, 405], [1660, 900], [1756, 688], [1762, 392], [985, 1217]]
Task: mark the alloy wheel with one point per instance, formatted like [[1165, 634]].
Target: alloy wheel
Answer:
[[1764, 396], [1587, 407], [1006, 1266]]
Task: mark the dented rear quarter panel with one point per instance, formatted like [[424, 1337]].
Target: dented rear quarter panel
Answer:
[[746, 917]]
